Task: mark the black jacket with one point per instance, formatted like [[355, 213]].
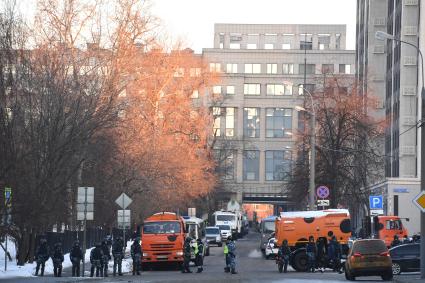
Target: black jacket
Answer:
[[76, 254]]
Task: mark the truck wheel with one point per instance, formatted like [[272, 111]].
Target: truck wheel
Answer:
[[207, 252], [299, 262]]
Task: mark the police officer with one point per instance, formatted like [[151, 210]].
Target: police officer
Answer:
[[106, 257], [76, 255], [136, 255], [57, 259], [118, 253], [396, 241], [226, 256], [311, 251], [96, 256], [284, 253], [232, 255], [199, 256], [334, 254], [187, 253], [41, 256]]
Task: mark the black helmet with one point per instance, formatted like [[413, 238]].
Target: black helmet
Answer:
[[199, 240]]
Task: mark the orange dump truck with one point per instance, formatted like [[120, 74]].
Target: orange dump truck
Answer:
[[384, 228], [163, 237], [297, 226]]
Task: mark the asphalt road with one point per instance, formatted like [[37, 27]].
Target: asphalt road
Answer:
[[251, 267]]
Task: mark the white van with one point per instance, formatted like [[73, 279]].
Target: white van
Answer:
[[195, 228]]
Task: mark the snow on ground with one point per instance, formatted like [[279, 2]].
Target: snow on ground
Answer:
[[28, 269]]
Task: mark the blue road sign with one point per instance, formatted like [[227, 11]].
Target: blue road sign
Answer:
[[322, 192], [376, 202]]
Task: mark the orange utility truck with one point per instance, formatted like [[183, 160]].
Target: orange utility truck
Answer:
[[297, 226], [384, 228], [163, 237]]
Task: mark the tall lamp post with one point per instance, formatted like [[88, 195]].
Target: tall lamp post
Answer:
[[312, 186], [380, 35]]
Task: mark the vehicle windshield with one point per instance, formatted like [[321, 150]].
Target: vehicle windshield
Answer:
[[269, 227], [212, 231], [224, 227], [161, 227], [369, 247], [225, 218], [394, 225]]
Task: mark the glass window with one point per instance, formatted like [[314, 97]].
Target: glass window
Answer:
[[252, 68], [217, 121], [195, 72], [323, 41], [235, 39], [235, 46], [179, 73], [308, 87], [252, 41], [278, 165], [327, 68], [251, 46], [251, 165], [251, 122], [344, 69], [221, 40], [217, 89], [231, 68], [162, 227], [286, 46], [271, 68], [270, 40], [278, 122], [306, 41], [230, 90], [287, 41], [215, 67], [230, 121], [275, 89], [195, 94], [311, 68], [337, 41], [268, 46], [288, 68], [229, 166], [251, 89]]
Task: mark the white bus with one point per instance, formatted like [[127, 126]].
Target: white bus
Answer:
[[195, 228]]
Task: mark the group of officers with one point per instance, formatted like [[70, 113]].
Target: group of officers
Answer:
[[100, 256]]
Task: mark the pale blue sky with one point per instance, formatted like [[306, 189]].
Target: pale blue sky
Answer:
[[193, 20]]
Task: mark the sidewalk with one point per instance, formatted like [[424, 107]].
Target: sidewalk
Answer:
[[408, 278]]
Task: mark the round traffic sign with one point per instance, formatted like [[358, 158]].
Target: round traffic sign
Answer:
[[322, 192]]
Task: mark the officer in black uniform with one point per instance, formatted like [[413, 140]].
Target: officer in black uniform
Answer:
[[96, 256], [106, 257], [136, 255], [199, 256], [57, 259], [118, 253], [187, 253], [41, 256], [76, 255]]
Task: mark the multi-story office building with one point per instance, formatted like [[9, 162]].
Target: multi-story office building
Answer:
[[389, 70], [262, 69]]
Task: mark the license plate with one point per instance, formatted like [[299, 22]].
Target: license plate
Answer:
[[161, 257]]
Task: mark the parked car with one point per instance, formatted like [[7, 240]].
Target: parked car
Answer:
[[405, 258], [225, 231], [271, 248], [213, 235], [368, 257]]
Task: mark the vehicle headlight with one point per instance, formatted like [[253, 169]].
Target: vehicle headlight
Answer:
[[179, 253], [145, 254]]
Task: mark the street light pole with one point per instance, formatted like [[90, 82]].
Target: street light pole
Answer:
[[383, 36]]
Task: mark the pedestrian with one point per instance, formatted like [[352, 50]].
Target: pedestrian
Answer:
[[41, 256], [136, 255], [76, 255], [232, 255], [334, 254], [226, 256], [57, 259], [284, 254], [106, 257], [321, 254], [311, 251], [118, 253], [395, 242], [96, 256], [187, 253], [406, 240], [199, 255]]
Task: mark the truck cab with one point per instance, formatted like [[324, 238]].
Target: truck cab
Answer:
[[384, 228]]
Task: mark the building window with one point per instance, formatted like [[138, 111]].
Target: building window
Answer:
[[251, 46], [278, 165], [251, 89], [344, 69], [306, 41], [287, 41], [230, 90], [225, 163], [179, 73], [195, 72], [288, 68], [230, 121], [252, 41], [235, 46], [270, 41], [338, 41], [327, 68], [271, 68], [217, 121], [308, 87], [323, 41], [195, 94], [216, 89], [251, 122], [278, 122], [311, 68], [215, 67], [251, 165], [235, 40], [268, 46], [231, 68], [252, 68], [279, 89], [221, 40]]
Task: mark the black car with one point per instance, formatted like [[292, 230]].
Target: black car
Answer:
[[405, 258]]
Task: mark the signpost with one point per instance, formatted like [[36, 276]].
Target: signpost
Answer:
[[123, 215], [85, 211], [376, 205], [322, 192], [7, 218]]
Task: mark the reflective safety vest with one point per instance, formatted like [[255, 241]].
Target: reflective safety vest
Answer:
[[195, 245], [226, 249]]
